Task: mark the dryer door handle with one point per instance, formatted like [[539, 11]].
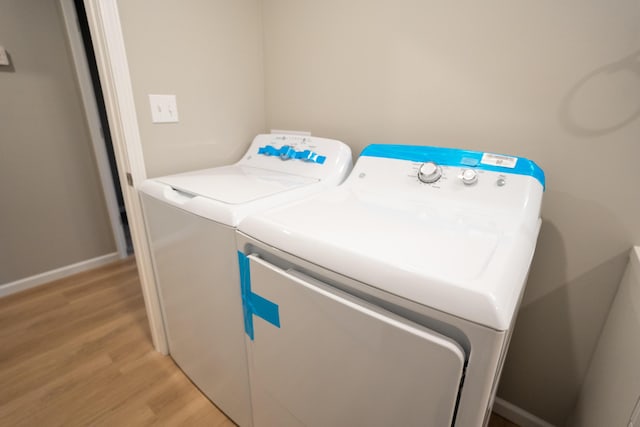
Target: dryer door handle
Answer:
[[177, 196]]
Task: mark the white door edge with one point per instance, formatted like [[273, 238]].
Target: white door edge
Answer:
[[108, 43], [93, 121]]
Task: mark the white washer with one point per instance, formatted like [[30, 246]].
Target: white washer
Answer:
[[191, 220], [390, 300]]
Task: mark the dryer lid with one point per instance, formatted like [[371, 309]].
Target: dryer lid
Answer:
[[461, 249]]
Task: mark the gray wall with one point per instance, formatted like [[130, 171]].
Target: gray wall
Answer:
[[52, 210], [553, 81], [209, 54]]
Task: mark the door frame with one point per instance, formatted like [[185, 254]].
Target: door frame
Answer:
[[115, 80]]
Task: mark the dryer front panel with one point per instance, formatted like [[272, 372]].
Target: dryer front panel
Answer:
[[321, 357]]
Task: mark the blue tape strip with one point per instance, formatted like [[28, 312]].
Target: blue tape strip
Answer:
[[245, 290], [452, 157], [265, 309], [252, 303], [287, 152]]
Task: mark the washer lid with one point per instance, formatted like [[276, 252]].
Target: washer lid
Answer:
[[235, 184]]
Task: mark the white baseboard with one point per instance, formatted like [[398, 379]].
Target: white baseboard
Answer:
[[517, 415], [58, 273]]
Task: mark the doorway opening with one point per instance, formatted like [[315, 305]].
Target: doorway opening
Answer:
[[83, 26]]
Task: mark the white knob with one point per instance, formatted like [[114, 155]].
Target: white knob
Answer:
[[469, 177], [429, 172]]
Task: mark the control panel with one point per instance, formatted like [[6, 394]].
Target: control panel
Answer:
[[287, 152], [431, 172], [433, 164], [448, 182], [299, 154], [442, 177]]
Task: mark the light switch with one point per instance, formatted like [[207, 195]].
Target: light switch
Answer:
[[4, 58], [164, 108]]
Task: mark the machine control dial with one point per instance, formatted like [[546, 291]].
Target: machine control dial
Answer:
[[469, 177], [429, 172]]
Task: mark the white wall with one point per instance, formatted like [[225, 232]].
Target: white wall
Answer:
[[52, 209], [209, 54], [557, 82]]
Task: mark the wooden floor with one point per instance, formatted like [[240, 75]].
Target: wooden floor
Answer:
[[77, 352]]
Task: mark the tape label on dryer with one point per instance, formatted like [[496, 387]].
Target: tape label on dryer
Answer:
[[252, 303], [499, 160]]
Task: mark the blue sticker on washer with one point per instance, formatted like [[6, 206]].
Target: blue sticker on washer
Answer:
[[287, 152], [456, 157], [254, 304]]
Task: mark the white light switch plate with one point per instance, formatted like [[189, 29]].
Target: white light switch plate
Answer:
[[164, 108], [4, 58]]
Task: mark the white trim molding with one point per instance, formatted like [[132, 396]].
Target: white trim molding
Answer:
[[517, 415], [59, 273], [93, 121], [108, 43]]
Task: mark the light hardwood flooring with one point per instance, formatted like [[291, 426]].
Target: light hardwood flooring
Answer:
[[77, 352]]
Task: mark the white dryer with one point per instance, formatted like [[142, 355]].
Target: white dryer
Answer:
[[191, 220], [390, 299]]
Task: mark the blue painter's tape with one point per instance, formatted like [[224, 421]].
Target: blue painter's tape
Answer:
[[265, 309], [467, 161], [245, 290], [252, 303], [309, 156], [452, 157], [287, 152]]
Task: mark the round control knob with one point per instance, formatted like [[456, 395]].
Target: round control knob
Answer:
[[286, 152], [469, 176], [429, 172]]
